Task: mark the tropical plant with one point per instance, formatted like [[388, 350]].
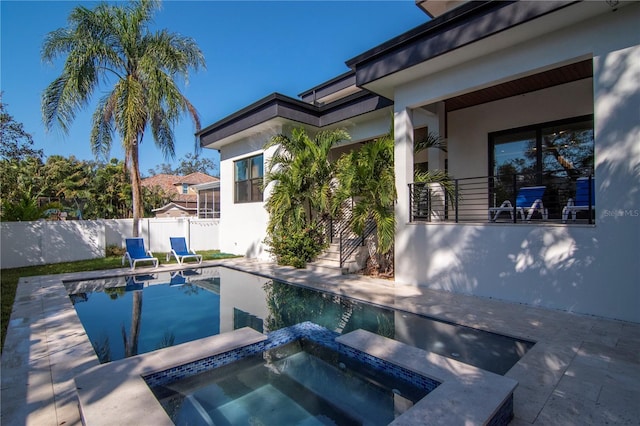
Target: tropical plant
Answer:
[[438, 177], [367, 176], [301, 176], [111, 192], [113, 44], [24, 209]]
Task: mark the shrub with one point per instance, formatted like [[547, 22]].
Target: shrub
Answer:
[[298, 247]]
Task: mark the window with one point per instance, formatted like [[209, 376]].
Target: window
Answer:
[[551, 154], [185, 188], [248, 179]]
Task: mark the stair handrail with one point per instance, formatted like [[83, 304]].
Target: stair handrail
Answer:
[[346, 250]]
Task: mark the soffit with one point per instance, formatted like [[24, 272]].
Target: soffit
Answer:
[[560, 18], [550, 78]]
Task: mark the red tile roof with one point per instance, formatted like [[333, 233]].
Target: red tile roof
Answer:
[[168, 184]]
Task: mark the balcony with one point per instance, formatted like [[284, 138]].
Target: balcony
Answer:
[[528, 198]]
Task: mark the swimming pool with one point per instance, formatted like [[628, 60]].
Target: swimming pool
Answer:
[[143, 313]]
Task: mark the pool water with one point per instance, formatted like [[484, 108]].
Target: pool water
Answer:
[[125, 317], [301, 383], [137, 318]]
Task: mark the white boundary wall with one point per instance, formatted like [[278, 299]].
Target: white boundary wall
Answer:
[[43, 242]]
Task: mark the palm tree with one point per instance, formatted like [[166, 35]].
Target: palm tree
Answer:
[[112, 44], [367, 176], [302, 175]]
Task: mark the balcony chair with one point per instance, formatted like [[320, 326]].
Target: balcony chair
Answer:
[[136, 253], [581, 202], [528, 200], [180, 251]]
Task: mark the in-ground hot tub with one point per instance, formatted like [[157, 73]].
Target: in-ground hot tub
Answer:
[[461, 393]]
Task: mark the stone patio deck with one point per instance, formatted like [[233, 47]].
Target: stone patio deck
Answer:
[[583, 370]]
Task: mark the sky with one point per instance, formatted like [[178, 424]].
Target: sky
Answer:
[[251, 48]]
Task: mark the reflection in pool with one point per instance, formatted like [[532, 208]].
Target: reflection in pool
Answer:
[[125, 317]]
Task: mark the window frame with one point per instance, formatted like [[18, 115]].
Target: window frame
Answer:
[[251, 181], [540, 175], [538, 130]]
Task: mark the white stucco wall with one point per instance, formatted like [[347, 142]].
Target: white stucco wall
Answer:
[[468, 128], [242, 225], [592, 270]]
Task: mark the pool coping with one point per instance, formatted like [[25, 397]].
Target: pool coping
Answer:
[[481, 393], [119, 386]]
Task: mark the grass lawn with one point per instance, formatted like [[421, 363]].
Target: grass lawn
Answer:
[[9, 277]]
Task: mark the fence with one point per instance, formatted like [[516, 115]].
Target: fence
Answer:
[[43, 242]]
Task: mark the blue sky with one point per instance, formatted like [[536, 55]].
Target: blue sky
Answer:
[[252, 49]]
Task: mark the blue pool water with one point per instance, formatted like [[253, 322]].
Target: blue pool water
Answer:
[[169, 315], [303, 382], [128, 316]]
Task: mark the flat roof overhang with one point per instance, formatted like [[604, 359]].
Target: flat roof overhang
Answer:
[[276, 110], [471, 31]]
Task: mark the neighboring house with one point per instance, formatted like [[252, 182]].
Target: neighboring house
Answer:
[[548, 90], [196, 194]]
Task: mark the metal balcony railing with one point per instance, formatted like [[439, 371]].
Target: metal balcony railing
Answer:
[[502, 199]]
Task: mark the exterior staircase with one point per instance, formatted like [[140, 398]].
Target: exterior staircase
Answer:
[[328, 262], [341, 238]]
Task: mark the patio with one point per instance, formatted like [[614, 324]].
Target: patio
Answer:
[[582, 370]]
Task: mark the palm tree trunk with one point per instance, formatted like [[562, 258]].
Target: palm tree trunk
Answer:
[[136, 189], [131, 343]]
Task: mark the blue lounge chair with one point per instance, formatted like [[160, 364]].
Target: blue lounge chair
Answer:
[[136, 253], [581, 202], [177, 279], [180, 251], [528, 200]]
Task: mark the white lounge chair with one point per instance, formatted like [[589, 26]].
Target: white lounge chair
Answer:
[[585, 199], [528, 200]]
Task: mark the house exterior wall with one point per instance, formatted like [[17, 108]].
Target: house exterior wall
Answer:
[[584, 269], [243, 225], [468, 128]]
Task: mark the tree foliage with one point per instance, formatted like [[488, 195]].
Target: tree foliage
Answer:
[[16, 144], [113, 45], [300, 175], [190, 163], [367, 176]]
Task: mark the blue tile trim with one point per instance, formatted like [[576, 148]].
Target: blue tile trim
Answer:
[[305, 330]]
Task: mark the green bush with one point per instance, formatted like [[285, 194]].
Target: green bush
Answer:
[[296, 248]]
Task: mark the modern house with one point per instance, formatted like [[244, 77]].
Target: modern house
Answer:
[[524, 95], [196, 195]]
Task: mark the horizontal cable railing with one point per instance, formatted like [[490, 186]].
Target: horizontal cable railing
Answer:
[[549, 197]]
